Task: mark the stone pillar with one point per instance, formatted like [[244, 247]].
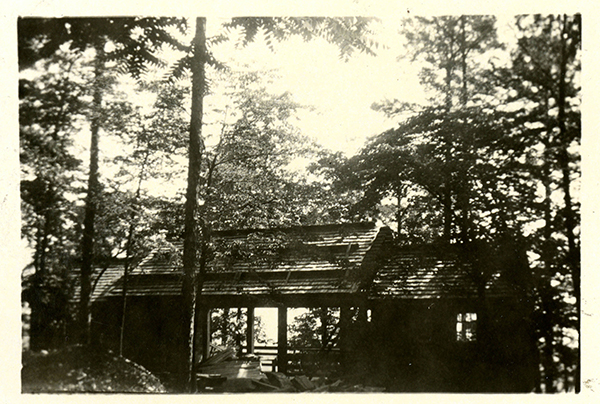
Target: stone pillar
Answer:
[[282, 339]]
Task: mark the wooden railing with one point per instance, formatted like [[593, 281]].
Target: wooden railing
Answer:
[[297, 358]]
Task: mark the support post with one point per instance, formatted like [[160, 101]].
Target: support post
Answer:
[[362, 315], [344, 339], [362, 355], [282, 339], [225, 326], [203, 329], [250, 331], [324, 334]]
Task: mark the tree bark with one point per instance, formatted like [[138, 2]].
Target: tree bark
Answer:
[[547, 321], [129, 251], [190, 242], [447, 191], [38, 335], [573, 256], [464, 51], [87, 241]]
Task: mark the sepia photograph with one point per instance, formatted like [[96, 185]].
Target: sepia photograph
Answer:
[[300, 204]]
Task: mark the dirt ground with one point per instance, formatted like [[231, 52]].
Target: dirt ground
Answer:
[[80, 369]]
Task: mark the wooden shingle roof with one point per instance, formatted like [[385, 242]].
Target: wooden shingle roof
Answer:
[[327, 259], [431, 272], [310, 260], [103, 278]]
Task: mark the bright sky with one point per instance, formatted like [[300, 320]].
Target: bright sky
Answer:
[[341, 92]]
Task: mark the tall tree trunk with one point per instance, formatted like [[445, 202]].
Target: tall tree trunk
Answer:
[[546, 295], [124, 307], [190, 241], [464, 204], [37, 337], [447, 212], [399, 209], [463, 61], [547, 332], [463, 199], [126, 268], [573, 256], [447, 192], [483, 332], [129, 251], [87, 241]]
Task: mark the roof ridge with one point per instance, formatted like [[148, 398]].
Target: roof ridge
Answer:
[[365, 225], [332, 226]]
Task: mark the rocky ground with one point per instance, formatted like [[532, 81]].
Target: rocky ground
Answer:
[[79, 369]]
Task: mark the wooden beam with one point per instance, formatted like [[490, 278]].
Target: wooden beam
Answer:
[[344, 339], [225, 326], [324, 336], [204, 330], [250, 331], [282, 339], [290, 300]]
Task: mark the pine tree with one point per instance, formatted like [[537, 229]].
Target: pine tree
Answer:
[[134, 42], [346, 33]]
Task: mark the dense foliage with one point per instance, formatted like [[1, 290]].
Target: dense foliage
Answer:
[[491, 159]]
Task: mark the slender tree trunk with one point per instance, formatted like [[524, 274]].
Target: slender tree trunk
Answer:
[[463, 200], [447, 214], [463, 61], [190, 242], [37, 338], [400, 210], [547, 323], [448, 208], [225, 327], [573, 256], [563, 153], [483, 331], [124, 308], [125, 290], [547, 332], [129, 251], [464, 204], [87, 242], [43, 244], [324, 334]]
